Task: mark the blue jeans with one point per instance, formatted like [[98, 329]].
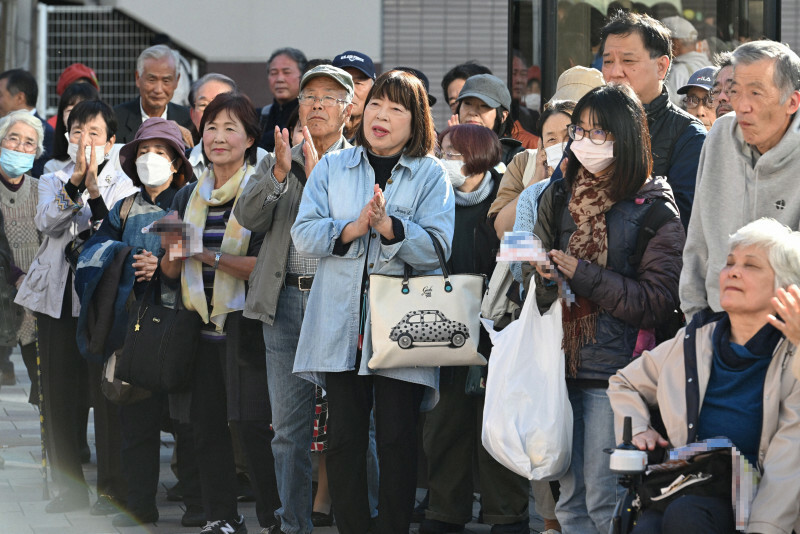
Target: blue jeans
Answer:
[[292, 400], [589, 489]]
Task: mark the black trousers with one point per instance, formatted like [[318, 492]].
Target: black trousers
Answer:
[[64, 371], [397, 403], [256, 438], [689, 515], [212, 438]]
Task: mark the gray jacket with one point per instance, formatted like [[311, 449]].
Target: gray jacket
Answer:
[[735, 188], [276, 219]]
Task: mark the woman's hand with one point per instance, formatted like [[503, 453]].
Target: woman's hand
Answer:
[[649, 440], [172, 241], [453, 120], [145, 265], [79, 171], [541, 171], [283, 154], [91, 174], [309, 152], [378, 218], [566, 264], [787, 306]]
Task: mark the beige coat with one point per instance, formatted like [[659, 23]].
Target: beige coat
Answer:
[[657, 378]]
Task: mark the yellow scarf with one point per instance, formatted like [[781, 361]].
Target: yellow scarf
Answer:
[[229, 292]]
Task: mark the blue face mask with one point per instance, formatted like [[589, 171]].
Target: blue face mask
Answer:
[[15, 163]]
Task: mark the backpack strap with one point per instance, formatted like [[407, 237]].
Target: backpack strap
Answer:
[[659, 212], [700, 319], [125, 210]]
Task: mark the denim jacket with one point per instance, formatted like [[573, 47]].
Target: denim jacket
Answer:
[[420, 195]]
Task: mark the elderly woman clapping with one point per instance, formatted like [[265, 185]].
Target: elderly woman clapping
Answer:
[[747, 391]]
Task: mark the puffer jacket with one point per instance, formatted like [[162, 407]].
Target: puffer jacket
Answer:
[[629, 297], [658, 378]]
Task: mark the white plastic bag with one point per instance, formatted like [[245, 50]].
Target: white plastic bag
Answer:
[[527, 417]]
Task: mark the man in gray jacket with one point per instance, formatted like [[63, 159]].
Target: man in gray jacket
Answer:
[[281, 280], [748, 167]]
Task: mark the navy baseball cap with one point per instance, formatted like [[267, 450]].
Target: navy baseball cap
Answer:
[[356, 60], [703, 78]]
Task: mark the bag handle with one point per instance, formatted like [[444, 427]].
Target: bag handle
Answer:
[[448, 287]]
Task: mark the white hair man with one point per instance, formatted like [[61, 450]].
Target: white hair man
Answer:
[[748, 166]]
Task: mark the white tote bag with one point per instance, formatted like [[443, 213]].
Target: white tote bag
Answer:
[[527, 417], [425, 321]]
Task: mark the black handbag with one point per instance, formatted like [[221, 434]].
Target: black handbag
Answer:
[[160, 345]]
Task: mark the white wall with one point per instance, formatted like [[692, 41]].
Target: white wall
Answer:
[[249, 30]]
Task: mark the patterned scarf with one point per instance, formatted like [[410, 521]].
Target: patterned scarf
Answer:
[[228, 293], [588, 206]]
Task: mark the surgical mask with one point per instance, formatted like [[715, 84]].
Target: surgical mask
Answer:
[[554, 154], [153, 170], [594, 158], [453, 167], [533, 101], [99, 153], [15, 163]]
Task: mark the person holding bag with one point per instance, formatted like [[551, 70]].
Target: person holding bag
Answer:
[[155, 162], [213, 284], [589, 223], [744, 390], [72, 201], [371, 209]]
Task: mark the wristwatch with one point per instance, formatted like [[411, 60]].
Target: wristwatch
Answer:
[[217, 256]]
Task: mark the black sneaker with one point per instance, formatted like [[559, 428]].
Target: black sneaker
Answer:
[[231, 526]]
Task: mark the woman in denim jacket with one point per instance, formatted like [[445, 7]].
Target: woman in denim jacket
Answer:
[[371, 209]]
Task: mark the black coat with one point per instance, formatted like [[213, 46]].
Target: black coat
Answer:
[[129, 118]]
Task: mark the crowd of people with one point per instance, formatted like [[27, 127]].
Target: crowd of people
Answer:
[[292, 207]]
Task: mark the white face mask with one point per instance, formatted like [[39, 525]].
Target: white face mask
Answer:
[[99, 152], [594, 158], [453, 167], [554, 154], [533, 100], [154, 170]]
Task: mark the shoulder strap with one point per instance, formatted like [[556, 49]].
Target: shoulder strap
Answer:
[[530, 168], [125, 210], [299, 171], [659, 212]]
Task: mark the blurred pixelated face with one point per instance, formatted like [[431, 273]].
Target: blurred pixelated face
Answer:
[[755, 98], [157, 84], [284, 78], [626, 60], [747, 282]]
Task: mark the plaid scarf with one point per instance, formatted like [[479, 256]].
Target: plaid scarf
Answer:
[[587, 206]]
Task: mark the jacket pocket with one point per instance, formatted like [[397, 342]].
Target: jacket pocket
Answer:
[[37, 277]]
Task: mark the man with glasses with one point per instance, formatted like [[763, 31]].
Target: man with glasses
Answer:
[[698, 101], [19, 91], [749, 166], [282, 279], [722, 83], [636, 51], [202, 92]]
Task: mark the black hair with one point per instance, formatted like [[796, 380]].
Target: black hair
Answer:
[[311, 63], [462, 72], [85, 111], [292, 53], [74, 93], [654, 34], [19, 80], [552, 108], [617, 109]]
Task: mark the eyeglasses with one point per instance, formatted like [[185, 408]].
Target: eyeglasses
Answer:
[[449, 155], [692, 101], [596, 136], [326, 101], [14, 141]]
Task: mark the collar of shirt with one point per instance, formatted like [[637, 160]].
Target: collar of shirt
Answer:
[[145, 116]]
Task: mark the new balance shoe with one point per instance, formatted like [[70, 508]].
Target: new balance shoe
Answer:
[[230, 526]]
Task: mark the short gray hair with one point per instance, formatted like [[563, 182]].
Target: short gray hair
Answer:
[[292, 53], [787, 64], [25, 116], [781, 243], [156, 52], [211, 77]]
